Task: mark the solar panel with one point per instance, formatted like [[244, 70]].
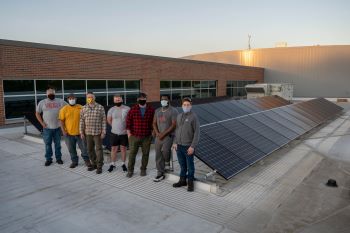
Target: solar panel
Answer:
[[293, 119], [232, 145], [263, 130], [250, 136]]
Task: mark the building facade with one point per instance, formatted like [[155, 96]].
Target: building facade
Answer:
[[315, 71], [26, 69]]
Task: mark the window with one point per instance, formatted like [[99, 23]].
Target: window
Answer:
[[188, 88], [236, 88], [23, 95]]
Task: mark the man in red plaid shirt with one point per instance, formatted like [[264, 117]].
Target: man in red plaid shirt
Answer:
[[139, 130]]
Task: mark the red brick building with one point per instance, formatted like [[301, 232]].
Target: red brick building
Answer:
[[27, 68]]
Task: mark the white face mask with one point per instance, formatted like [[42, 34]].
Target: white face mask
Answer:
[[71, 101], [164, 103], [186, 109]]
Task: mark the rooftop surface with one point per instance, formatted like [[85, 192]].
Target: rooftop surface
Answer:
[[284, 192]]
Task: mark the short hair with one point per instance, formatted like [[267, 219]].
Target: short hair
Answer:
[[187, 99], [165, 95], [118, 95], [50, 87], [142, 95]]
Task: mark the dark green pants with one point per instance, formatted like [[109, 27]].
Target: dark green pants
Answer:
[[94, 148], [134, 143]]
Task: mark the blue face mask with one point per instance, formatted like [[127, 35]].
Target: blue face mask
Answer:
[[186, 109]]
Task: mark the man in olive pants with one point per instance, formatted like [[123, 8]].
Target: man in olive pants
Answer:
[[139, 130], [93, 128]]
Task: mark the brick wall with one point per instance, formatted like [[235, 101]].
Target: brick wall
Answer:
[[34, 61]]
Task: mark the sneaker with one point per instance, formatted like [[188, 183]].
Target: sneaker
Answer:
[[143, 173], [110, 169], [124, 168], [129, 174], [99, 170], [91, 168], [48, 163], [159, 178], [73, 165], [59, 161]]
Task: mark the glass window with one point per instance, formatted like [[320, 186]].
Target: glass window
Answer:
[[204, 93], [81, 99], [212, 92], [186, 84], [176, 94], [166, 92], [196, 93], [18, 87], [115, 85], [212, 84], [186, 93], [131, 98], [15, 107], [96, 86], [101, 98], [176, 84], [131, 85], [74, 86], [196, 84], [42, 85], [165, 84], [204, 84]]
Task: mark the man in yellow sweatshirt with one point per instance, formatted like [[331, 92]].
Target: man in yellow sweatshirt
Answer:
[[69, 117]]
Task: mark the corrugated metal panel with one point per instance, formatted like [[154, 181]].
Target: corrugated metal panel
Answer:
[[315, 71]]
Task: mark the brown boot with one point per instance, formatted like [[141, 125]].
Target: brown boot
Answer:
[[87, 163], [182, 182], [92, 167]]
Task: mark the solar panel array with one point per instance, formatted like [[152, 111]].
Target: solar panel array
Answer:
[[218, 111], [232, 145]]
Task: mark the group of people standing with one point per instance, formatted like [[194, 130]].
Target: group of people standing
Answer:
[[85, 127]]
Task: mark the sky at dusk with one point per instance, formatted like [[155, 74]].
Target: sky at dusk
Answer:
[[175, 28]]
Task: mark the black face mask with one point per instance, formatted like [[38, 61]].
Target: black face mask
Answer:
[[51, 96], [118, 104], [142, 102]]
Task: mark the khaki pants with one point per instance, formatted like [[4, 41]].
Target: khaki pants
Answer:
[[134, 143], [94, 148]]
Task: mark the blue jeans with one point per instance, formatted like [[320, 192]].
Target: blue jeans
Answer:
[[54, 135], [186, 162], [71, 142]]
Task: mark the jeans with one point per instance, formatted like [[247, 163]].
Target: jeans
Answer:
[[54, 135], [134, 143], [71, 142], [95, 151], [186, 162]]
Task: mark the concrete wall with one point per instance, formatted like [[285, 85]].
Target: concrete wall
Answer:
[[315, 71], [23, 60]]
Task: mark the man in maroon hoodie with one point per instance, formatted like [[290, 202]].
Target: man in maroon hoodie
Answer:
[[139, 130]]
